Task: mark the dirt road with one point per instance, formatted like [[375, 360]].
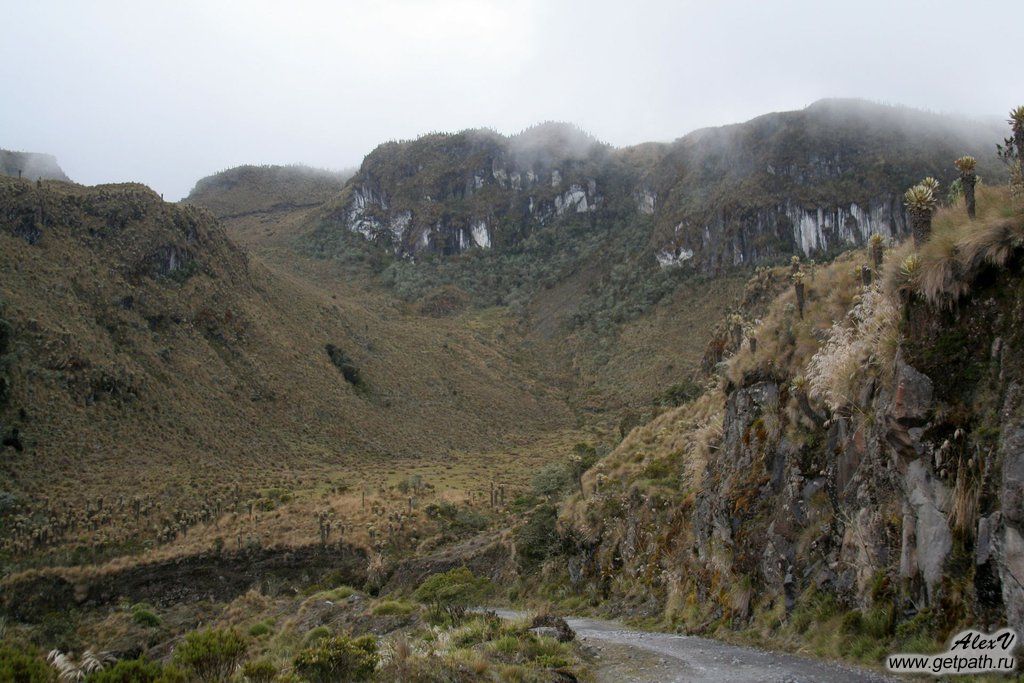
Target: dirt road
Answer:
[[625, 654]]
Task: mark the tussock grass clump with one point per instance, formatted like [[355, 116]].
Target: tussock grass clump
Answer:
[[868, 337], [338, 658], [210, 655], [259, 629], [453, 592], [259, 671], [144, 616], [959, 249], [388, 608]]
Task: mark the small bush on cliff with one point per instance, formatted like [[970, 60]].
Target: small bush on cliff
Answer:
[[338, 658], [22, 666], [211, 655], [678, 394], [561, 477]]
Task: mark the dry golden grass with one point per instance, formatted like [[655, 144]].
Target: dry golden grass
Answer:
[[785, 341], [233, 393], [959, 247]]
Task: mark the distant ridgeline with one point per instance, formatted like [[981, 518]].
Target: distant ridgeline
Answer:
[[533, 207], [245, 190], [31, 166]]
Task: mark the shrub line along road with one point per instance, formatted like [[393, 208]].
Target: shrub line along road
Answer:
[[626, 654]]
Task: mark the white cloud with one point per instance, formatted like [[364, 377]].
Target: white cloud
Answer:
[[167, 93]]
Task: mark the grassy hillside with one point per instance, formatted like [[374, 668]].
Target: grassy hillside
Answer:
[[147, 357], [260, 189]]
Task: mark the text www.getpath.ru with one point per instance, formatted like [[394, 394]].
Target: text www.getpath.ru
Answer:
[[970, 652]]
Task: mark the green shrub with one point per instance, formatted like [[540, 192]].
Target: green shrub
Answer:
[[259, 629], [318, 633], [453, 591], [678, 394], [138, 671], [551, 480], [454, 519], [537, 539], [561, 477], [145, 617], [338, 658], [211, 655], [259, 671], [22, 666], [339, 593]]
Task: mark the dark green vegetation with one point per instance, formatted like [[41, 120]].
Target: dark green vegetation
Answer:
[[210, 655], [22, 665], [345, 364], [338, 658]]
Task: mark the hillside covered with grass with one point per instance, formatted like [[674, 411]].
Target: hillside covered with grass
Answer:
[[155, 376], [245, 190]]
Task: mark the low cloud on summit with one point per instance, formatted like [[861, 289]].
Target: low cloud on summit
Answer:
[[167, 94]]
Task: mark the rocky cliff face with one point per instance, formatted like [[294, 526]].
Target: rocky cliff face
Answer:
[[446, 194], [810, 182], [907, 503]]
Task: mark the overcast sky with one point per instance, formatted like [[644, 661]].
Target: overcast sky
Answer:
[[165, 93]]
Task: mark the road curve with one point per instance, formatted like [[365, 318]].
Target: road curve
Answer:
[[626, 654]]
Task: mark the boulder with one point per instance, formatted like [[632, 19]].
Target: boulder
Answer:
[[913, 400]]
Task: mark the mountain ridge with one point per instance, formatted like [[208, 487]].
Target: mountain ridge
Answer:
[[744, 193]]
